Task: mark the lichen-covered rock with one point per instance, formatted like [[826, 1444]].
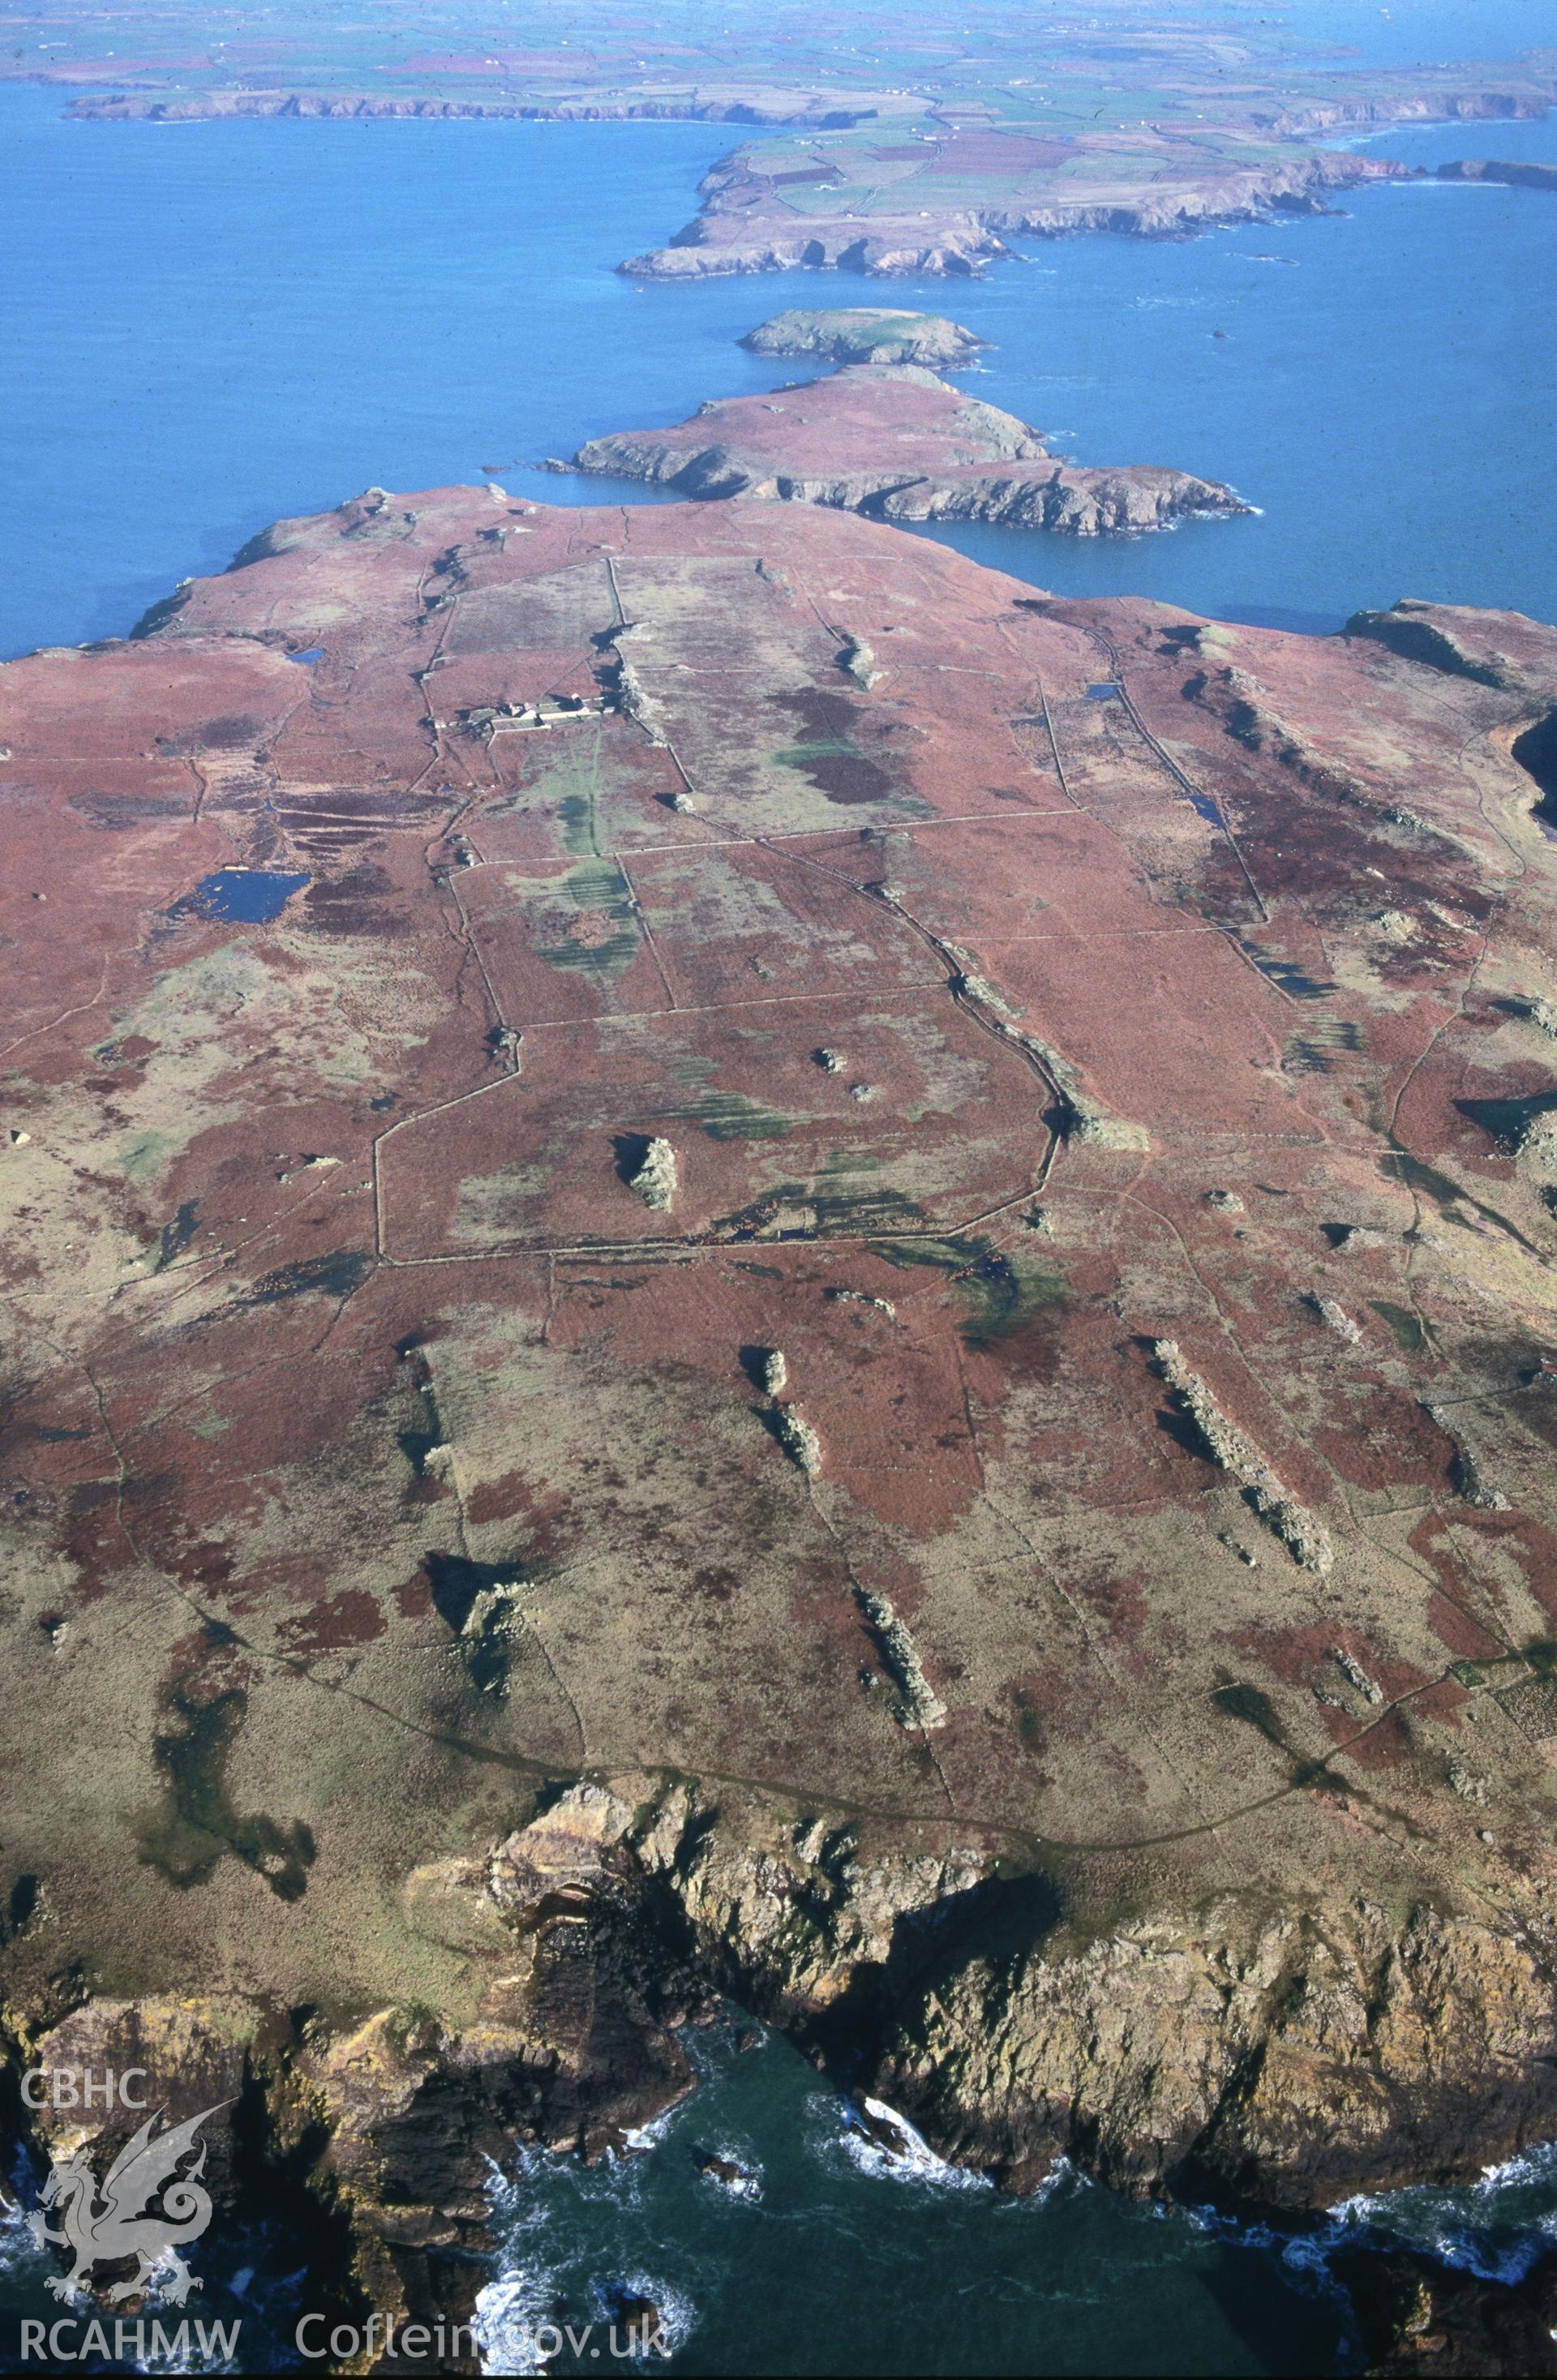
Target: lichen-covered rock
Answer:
[[858, 659], [655, 1178], [1351, 1669], [1305, 1538], [799, 1440], [1335, 1317], [920, 1705], [1468, 1477]]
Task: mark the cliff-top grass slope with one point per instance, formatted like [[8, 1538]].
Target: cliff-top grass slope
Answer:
[[738, 1261]]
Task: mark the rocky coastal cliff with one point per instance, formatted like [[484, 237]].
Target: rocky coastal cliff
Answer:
[[736, 233], [1519, 174], [833, 113], [1248, 2054], [896, 443]]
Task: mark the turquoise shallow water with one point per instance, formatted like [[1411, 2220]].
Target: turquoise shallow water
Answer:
[[210, 325]]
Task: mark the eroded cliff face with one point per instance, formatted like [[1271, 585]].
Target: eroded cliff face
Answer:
[[1235, 2051], [945, 195], [481, 1611], [898, 443], [740, 229]]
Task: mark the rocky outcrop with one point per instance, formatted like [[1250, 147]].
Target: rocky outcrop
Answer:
[[655, 1175], [368, 2141], [1304, 1536], [799, 1439], [898, 443], [918, 1703], [865, 335], [1281, 2055], [1413, 2313], [1425, 632], [1520, 174]]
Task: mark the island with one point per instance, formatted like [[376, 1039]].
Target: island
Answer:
[[866, 334], [1521, 175], [739, 1262], [896, 441]]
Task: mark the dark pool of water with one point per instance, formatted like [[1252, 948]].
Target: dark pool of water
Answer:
[[251, 896]]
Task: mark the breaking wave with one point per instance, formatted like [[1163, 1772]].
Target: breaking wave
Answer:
[[1495, 2227], [879, 2141]]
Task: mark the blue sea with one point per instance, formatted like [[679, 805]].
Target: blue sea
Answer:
[[210, 325]]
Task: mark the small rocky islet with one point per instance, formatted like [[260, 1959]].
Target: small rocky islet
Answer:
[[866, 334], [887, 437]]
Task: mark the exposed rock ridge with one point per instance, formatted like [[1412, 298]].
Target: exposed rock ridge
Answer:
[[1424, 632], [920, 1706], [1305, 1538]]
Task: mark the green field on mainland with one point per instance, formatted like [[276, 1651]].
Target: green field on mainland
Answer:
[[863, 182], [1065, 66]]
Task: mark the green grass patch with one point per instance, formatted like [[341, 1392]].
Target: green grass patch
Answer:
[[1002, 1289], [1405, 1328], [831, 747], [596, 886], [728, 1115]]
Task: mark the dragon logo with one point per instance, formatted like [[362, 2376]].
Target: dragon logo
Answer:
[[103, 2223]]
